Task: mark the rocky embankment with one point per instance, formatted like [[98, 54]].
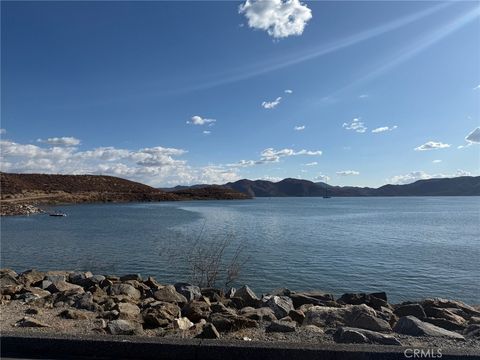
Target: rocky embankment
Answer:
[[84, 303], [10, 209]]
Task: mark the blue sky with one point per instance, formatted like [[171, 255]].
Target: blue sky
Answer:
[[208, 92]]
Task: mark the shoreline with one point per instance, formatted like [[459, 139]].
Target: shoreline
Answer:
[[81, 303]]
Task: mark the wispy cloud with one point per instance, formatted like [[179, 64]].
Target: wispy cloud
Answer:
[[472, 138], [437, 161], [207, 132], [288, 91], [271, 104], [313, 163], [270, 155], [299, 128], [384, 129], [355, 125], [61, 141], [279, 18], [363, 96], [347, 173], [432, 145], [198, 120], [321, 177], [477, 87]]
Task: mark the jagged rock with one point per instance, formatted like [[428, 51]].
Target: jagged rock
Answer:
[[444, 313], [297, 315], [196, 310], [281, 305], [169, 294], [9, 285], [248, 296], [410, 325], [220, 308], [182, 324], [31, 277], [312, 329], [73, 314], [124, 289], [61, 286], [124, 327], [364, 317], [136, 277], [410, 309], [474, 320], [209, 331], [260, 314], [444, 303], [30, 322], [313, 298], [160, 315], [227, 322], [214, 295], [56, 278], [44, 284], [152, 283], [281, 326], [358, 336], [324, 316], [191, 292], [85, 301], [127, 311], [230, 293], [374, 300], [445, 324]]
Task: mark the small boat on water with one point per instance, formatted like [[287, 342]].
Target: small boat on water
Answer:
[[57, 214]]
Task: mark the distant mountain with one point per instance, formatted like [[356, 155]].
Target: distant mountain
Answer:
[[459, 186]]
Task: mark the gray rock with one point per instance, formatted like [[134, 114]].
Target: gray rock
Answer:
[[260, 314], [124, 327], [247, 295], [169, 294], [444, 313], [443, 303], [410, 325], [73, 314], [196, 310], [31, 277], [85, 301], [209, 331], [472, 331], [324, 316], [56, 278], [281, 305], [44, 284], [61, 286], [124, 289], [410, 309], [30, 322], [297, 315], [445, 324], [314, 298], [364, 317], [227, 322], [281, 326], [191, 292], [127, 311], [356, 335]]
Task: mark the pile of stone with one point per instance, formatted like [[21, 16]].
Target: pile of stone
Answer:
[[10, 209], [130, 304]]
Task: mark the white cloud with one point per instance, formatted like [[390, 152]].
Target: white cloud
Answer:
[[313, 163], [270, 155], [432, 145], [207, 132], [422, 175], [271, 178], [363, 96], [3, 131], [198, 120], [61, 141], [156, 166], [288, 91], [299, 128], [322, 178], [271, 104], [347, 173], [436, 161], [356, 125], [280, 18], [476, 87], [384, 128]]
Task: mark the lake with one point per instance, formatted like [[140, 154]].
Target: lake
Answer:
[[411, 247]]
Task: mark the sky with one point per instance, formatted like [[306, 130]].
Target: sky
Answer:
[[357, 93]]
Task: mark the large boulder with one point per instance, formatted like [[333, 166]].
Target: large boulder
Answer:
[[228, 322], [281, 326], [325, 316], [444, 313], [410, 309], [160, 315], [445, 324], [356, 336], [410, 325], [280, 305], [169, 294], [191, 292], [209, 331], [260, 314], [196, 310], [247, 295], [312, 297], [127, 311], [374, 300], [124, 289], [124, 327], [450, 304], [364, 317], [31, 277], [61, 286], [9, 285]]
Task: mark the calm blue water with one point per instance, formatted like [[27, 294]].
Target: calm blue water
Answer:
[[409, 247]]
